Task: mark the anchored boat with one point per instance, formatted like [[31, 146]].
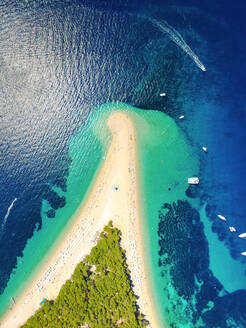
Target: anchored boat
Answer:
[[193, 180], [221, 217]]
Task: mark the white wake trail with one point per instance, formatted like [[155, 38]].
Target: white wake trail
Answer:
[[177, 38], [8, 211]]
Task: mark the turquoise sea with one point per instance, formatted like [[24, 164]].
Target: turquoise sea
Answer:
[[64, 66]]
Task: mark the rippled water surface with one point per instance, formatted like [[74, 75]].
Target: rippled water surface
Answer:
[[59, 62]]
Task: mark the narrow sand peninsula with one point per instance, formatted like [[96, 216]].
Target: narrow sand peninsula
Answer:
[[104, 203]]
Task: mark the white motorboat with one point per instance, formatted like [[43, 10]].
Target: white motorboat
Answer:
[[193, 180], [205, 149], [242, 235], [232, 229], [162, 94], [181, 117], [243, 253], [221, 217]]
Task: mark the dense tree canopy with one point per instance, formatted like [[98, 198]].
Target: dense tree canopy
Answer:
[[98, 295]]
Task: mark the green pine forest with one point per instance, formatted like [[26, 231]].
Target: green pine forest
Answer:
[[99, 293]]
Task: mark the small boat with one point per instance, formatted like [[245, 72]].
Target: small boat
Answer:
[[162, 94], [242, 235], [232, 229], [181, 117], [193, 180], [243, 253], [203, 68], [205, 149], [221, 217]]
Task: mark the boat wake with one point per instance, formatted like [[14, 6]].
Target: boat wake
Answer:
[[176, 37], [8, 212]]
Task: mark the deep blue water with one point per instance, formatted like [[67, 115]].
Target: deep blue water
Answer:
[[61, 59]]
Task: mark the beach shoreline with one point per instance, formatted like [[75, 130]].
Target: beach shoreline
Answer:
[[113, 196]]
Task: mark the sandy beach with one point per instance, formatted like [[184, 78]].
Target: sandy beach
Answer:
[[104, 203]]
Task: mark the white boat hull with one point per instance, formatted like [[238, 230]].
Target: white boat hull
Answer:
[[193, 180], [221, 217]]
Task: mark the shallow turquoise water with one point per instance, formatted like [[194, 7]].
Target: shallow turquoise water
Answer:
[[86, 152], [164, 161], [59, 61], [229, 271]]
